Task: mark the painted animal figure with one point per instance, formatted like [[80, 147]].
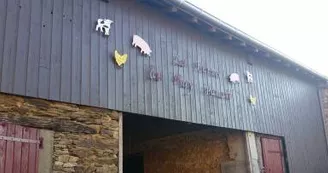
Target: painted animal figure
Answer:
[[120, 59], [234, 78], [104, 25], [142, 44], [249, 77]]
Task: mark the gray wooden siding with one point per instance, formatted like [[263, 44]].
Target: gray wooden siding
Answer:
[[50, 49]]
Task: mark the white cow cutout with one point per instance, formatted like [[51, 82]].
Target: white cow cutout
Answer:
[[104, 25], [249, 77]]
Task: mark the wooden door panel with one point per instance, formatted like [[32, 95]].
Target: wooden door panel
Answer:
[[272, 155], [19, 149]]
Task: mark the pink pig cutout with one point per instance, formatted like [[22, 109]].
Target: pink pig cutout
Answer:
[[142, 44], [234, 78]]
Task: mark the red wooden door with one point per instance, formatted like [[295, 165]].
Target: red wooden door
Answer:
[[19, 149], [272, 155]]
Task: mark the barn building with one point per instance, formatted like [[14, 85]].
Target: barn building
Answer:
[[150, 86]]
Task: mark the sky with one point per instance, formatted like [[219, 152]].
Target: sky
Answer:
[[297, 28]]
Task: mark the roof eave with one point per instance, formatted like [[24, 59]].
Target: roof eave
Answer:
[[200, 14]]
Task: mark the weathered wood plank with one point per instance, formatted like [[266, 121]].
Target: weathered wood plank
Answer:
[[56, 50], [22, 47], [66, 63], [18, 149], [56, 124], [3, 15], [10, 46], [25, 150], [3, 144], [45, 49], [105, 56], [9, 160], [87, 28], [95, 38], [76, 72], [32, 79]]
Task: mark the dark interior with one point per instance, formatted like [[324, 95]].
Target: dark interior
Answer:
[[139, 128]]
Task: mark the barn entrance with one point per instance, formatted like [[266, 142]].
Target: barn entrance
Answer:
[[19, 148], [154, 145]]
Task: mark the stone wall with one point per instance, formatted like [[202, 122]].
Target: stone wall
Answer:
[[324, 97], [196, 152], [86, 139]]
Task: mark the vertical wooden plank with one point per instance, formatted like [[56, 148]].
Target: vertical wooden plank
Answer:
[[66, 62], [159, 61], [181, 95], [175, 53], [25, 151], [76, 51], [187, 75], [56, 50], [3, 146], [240, 120], [10, 46], [9, 160], [226, 86], [210, 79], [37, 152], [234, 88], [133, 62], [22, 47], [17, 149], [181, 53], [88, 25], [33, 149], [141, 70], [95, 37], [170, 72], [118, 30], [197, 90], [167, 79], [202, 81], [155, 39], [34, 49], [146, 63], [45, 49], [214, 103], [3, 16], [222, 106], [105, 57], [249, 87]]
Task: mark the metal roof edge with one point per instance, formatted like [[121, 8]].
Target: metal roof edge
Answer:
[[199, 13]]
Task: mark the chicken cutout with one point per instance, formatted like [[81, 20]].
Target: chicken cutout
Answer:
[[252, 100], [104, 25], [142, 44], [249, 77], [234, 78], [120, 59]]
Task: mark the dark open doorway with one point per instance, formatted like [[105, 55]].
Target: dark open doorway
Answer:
[[156, 145], [138, 129]]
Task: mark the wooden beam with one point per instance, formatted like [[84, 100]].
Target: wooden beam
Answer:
[[55, 124]]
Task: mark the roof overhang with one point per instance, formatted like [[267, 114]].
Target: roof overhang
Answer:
[[237, 37]]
